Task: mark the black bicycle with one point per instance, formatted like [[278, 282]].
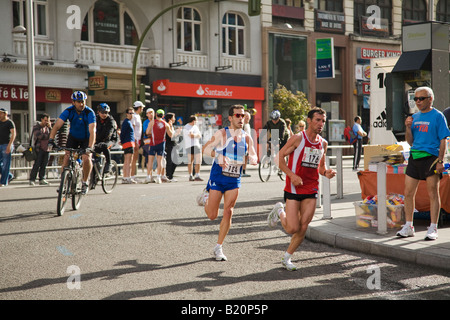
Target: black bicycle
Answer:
[[267, 165], [108, 179], [71, 181]]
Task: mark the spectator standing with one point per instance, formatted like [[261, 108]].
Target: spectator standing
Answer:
[[137, 127], [7, 137], [426, 133], [191, 138], [301, 126], [357, 146], [39, 141], [170, 147], [127, 141]]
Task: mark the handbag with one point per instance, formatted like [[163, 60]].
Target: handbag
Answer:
[[30, 154]]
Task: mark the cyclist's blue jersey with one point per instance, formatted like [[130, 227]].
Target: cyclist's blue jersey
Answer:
[[79, 123], [235, 152]]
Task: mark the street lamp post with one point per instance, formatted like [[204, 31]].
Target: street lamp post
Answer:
[[31, 69]]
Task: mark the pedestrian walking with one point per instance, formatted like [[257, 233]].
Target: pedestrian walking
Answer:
[[193, 147], [127, 140], [426, 133], [306, 152], [227, 147], [357, 146], [7, 137], [39, 141]]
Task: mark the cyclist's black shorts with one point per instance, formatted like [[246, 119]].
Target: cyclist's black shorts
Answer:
[[76, 144]]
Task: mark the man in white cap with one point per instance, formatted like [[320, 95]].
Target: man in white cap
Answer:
[[137, 126], [7, 136]]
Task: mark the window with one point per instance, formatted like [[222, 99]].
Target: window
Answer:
[[233, 34], [188, 30], [414, 10], [331, 5], [104, 23], [40, 16], [290, 3], [443, 11], [360, 9]]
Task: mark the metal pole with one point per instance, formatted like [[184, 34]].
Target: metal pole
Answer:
[[30, 66], [381, 190], [141, 40], [339, 174], [430, 10]]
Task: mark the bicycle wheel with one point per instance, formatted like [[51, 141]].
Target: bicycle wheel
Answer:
[[64, 191], [76, 189], [281, 174], [265, 168], [109, 180]]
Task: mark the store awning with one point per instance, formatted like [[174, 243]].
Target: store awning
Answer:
[[413, 61]]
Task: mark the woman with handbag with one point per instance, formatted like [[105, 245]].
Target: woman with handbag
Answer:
[[39, 142]]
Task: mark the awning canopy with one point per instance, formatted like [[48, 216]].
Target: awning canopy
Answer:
[[413, 61]]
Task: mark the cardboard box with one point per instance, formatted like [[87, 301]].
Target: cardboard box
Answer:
[[379, 150], [367, 215]]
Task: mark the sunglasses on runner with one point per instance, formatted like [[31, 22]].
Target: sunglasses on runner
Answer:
[[239, 115], [420, 98]]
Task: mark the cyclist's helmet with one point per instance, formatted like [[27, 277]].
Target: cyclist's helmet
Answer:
[[275, 114], [79, 96], [103, 107]]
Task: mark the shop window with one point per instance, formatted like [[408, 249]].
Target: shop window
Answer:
[[40, 16], [360, 10], [107, 22], [233, 38], [290, 3], [443, 11], [331, 5], [188, 30], [414, 11]]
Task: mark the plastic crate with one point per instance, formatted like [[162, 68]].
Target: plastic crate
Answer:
[[367, 214]]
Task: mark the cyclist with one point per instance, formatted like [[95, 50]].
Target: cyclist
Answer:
[[275, 123], [106, 134], [81, 133]]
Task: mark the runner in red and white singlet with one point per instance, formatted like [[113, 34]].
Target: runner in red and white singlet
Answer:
[[306, 152]]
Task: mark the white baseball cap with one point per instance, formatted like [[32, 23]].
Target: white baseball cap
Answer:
[[138, 104]]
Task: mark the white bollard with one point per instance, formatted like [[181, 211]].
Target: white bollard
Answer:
[[381, 190]]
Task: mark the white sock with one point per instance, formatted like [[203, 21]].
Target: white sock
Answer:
[[280, 210], [218, 246], [287, 256], [433, 226], [409, 223]]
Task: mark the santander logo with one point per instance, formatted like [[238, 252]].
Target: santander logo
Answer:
[[162, 87], [213, 92]]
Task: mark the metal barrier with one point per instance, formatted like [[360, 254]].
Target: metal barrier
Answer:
[[19, 163]]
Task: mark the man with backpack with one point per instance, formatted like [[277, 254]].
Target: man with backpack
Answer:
[[81, 133], [357, 146]]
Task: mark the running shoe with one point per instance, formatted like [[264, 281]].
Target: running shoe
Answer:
[[197, 178], [407, 231], [432, 234], [288, 265], [84, 188], [273, 217], [158, 180], [202, 198], [218, 253]]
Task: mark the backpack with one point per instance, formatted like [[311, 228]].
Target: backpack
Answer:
[[349, 135]]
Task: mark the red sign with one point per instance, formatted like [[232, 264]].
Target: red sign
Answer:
[[20, 93], [208, 91]]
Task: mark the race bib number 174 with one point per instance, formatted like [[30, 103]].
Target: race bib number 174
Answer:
[[311, 157]]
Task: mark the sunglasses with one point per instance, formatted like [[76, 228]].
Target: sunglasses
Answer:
[[104, 112], [239, 115], [420, 98], [130, 112]]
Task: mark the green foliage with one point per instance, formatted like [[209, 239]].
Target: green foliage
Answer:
[[292, 106]]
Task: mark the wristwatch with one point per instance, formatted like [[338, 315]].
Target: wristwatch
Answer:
[[440, 161]]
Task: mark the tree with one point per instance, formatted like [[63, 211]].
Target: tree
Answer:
[[292, 106]]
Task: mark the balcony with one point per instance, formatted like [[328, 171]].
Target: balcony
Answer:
[[201, 62], [105, 55], [43, 49]]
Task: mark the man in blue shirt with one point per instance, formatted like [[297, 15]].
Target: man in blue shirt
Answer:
[[357, 146], [81, 133], [426, 133]]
